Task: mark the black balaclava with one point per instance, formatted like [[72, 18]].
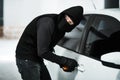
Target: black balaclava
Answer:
[[75, 13]]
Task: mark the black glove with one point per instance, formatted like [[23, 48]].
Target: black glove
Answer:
[[68, 64], [65, 63]]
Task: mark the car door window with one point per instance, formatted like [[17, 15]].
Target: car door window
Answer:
[[103, 36], [72, 39]]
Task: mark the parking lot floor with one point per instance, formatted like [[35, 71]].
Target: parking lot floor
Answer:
[[8, 69]]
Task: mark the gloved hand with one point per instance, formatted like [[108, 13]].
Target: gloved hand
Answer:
[[65, 63], [68, 64]]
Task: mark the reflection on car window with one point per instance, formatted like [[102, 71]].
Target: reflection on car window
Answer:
[[72, 39], [100, 38]]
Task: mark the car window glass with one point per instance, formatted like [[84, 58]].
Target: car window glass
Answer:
[[72, 39], [103, 37]]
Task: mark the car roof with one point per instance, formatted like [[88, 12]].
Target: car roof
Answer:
[[114, 12]]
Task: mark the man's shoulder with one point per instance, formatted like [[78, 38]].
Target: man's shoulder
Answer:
[[46, 20], [50, 16]]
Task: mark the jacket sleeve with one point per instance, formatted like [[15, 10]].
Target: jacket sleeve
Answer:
[[45, 27]]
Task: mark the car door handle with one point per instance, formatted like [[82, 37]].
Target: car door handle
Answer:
[[80, 68]]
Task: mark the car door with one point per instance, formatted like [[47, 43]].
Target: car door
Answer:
[[98, 41], [77, 45], [69, 47]]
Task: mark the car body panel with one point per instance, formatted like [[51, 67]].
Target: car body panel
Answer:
[[93, 69], [90, 67]]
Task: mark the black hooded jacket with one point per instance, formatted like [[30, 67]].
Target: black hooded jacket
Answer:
[[43, 33]]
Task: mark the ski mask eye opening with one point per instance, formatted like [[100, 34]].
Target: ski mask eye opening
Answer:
[[65, 26], [69, 20]]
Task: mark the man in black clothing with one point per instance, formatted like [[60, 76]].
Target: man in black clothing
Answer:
[[38, 41]]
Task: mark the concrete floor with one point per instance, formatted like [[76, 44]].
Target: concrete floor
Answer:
[[8, 69]]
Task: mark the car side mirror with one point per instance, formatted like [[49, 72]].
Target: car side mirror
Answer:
[[111, 59]]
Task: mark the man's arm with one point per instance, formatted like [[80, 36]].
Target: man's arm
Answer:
[[44, 33], [45, 28]]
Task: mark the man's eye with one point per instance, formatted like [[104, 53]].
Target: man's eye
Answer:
[[71, 23]]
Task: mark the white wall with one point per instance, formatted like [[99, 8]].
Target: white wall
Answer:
[[18, 13]]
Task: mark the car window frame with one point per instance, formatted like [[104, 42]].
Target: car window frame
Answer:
[[86, 32]]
